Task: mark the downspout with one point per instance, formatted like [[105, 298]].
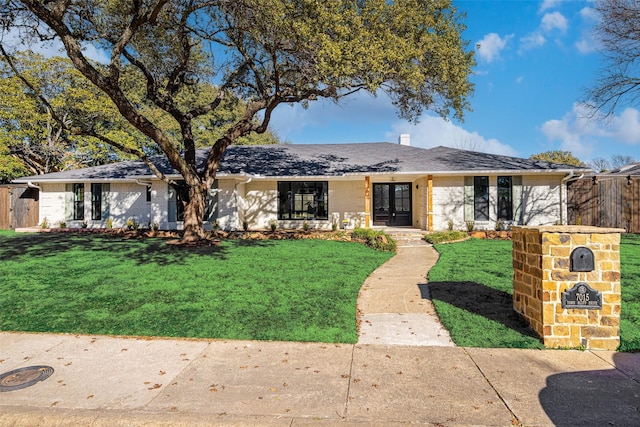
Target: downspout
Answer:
[[235, 195], [150, 207]]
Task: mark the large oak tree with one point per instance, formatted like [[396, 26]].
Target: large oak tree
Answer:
[[265, 52]]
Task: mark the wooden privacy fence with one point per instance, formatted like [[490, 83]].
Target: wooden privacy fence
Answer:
[[612, 202], [18, 206]]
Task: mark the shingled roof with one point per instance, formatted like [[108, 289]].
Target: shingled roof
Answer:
[[630, 169], [323, 160]]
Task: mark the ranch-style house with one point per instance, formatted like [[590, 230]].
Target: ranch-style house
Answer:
[[324, 185]]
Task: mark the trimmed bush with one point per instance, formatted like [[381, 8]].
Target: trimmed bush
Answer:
[[375, 239]]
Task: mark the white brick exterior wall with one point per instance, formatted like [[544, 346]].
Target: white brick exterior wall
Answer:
[[540, 194], [52, 203], [256, 202]]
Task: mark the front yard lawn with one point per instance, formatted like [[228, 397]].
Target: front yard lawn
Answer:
[[295, 290], [471, 286]]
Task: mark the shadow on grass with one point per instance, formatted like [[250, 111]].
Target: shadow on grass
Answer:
[[141, 249], [478, 299]]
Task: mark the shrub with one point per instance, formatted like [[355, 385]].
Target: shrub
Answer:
[[44, 223], [450, 225], [445, 236], [375, 239], [84, 223], [273, 224], [245, 225], [132, 224], [499, 225], [305, 226], [62, 224], [470, 225], [109, 223], [155, 226]]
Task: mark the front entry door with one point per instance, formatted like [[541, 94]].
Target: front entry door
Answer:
[[392, 204]]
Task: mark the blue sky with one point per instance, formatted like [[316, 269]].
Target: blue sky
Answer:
[[534, 61]]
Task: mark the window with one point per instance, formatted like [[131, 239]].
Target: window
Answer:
[[481, 198], [148, 193], [96, 201], [176, 207], [508, 206], [303, 200], [505, 198], [78, 201]]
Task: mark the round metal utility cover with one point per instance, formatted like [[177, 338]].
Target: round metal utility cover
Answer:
[[24, 377]]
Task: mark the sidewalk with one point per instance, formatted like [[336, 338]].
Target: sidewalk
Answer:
[[393, 376], [104, 381]]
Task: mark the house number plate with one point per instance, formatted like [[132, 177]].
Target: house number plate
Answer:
[[582, 296]]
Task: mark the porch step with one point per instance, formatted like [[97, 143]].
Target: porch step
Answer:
[[407, 238]]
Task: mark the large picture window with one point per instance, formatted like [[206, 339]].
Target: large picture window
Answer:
[[307, 200]]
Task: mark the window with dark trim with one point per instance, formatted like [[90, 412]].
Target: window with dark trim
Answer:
[[481, 198], [148, 193], [505, 198], [96, 201], [303, 200], [78, 201], [175, 211]]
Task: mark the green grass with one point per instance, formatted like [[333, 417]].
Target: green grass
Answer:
[[445, 236], [296, 290], [471, 286], [630, 281]]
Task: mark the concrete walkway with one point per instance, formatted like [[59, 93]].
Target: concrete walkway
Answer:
[[394, 306]]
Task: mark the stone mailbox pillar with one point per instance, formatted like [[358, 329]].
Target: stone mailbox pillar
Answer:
[[566, 284]]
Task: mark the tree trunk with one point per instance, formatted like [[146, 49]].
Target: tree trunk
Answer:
[[194, 214]]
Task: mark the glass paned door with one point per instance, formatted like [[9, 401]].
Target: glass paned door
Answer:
[[392, 204]]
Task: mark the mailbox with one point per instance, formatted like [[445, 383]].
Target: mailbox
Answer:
[[582, 259]]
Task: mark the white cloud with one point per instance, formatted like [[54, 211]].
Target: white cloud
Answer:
[[554, 21], [434, 131], [626, 127], [531, 41], [489, 48], [589, 14], [587, 43], [579, 131], [336, 123], [548, 4]]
